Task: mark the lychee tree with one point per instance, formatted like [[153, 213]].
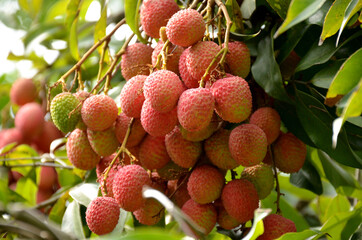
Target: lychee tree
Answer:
[[161, 119]]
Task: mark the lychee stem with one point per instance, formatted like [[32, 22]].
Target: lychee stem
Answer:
[[227, 32], [101, 59], [277, 187], [194, 3], [163, 54]]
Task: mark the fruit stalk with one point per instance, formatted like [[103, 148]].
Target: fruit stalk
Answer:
[[277, 187]]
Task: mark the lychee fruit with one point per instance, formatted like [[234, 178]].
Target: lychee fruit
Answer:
[[153, 153], [289, 153], [172, 171], [240, 199], [100, 170], [268, 120], [155, 14], [12, 135], [65, 111], [185, 75], [201, 134], [47, 177], [136, 60], [217, 150], [23, 91], [275, 226], [223, 218], [155, 123], [127, 187], [181, 195], [80, 152], [104, 163], [173, 56], [43, 195], [104, 143], [205, 184], [261, 176], [48, 135], [99, 112], [248, 144], [185, 28], [195, 109], [132, 97], [233, 100], [238, 59], [137, 132], [30, 120], [184, 153], [163, 89], [102, 215]]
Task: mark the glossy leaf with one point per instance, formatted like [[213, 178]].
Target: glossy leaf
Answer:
[[353, 7], [131, 8], [84, 193], [280, 6], [72, 222], [234, 11], [338, 204], [324, 77], [306, 234], [290, 189], [297, 12]]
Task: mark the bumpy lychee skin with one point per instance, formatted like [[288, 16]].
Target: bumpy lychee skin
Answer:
[[153, 153], [136, 60], [204, 215], [182, 152], [238, 59], [195, 109], [217, 150], [60, 108], [11, 135], [261, 176], [202, 134], [80, 152], [223, 218], [173, 56], [199, 58], [268, 120], [275, 226], [248, 144], [289, 153], [127, 187], [233, 100], [185, 75], [132, 97], [172, 171], [30, 120], [104, 143], [137, 131], [155, 14], [205, 184], [240, 199], [102, 215], [155, 123], [23, 91], [185, 28], [99, 112], [163, 89]]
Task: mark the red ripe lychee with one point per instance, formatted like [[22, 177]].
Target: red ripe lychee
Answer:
[[43, 194], [182, 152], [136, 60], [132, 97], [275, 226], [199, 58], [181, 195], [248, 144], [47, 177], [30, 120], [104, 143], [233, 100], [173, 56], [262, 177], [163, 89], [195, 109], [217, 150], [155, 123], [99, 112], [201, 134], [100, 170], [23, 91], [155, 14], [205, 184], [238, 59], [267, 159], [223, 218], [82, 95], [104, 163], [185, 28], [268, 120], [204, 215], [171, 171], [48, 135], [127, 187], [137, 131], [153, 153], [186, 77], [80, 152], [240, 199], [289, 153], [12, 135], [102, 215]]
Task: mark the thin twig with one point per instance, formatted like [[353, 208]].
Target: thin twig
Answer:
[[39, 164], [277, 187]]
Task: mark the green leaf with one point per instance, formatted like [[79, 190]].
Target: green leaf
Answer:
[[324, 77], [353, 7], [100, 32], [73, 40], [280, 6], [57, 212], [84, 193], [306, 234], [234, 11], [72, 222], [266, 71], [297, 12], [131, 9], [337, 205], [148, 233], [352, 225], [26, 188], [67, 178], [291, 190], [72, 12], [333, 19]]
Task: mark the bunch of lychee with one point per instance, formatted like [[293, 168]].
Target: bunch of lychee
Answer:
[[178, 110]]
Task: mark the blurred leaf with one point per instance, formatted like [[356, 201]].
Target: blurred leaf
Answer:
[[266, 71], [353, 7], [352, 192], [68, 178], [257, 228], [37, 30], [148, 233], [37, 61], [72, 222], [4, 181], [100, 32], [58, 9], [131, 8], [297, 12], [306, 234], [280, 6], [36, 6], [57, 212], [352, 225], [73, 40], [84, 193], [301, 193], [324, 78], [72, 12], [26, 188], [337, 205], [234, 11]]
